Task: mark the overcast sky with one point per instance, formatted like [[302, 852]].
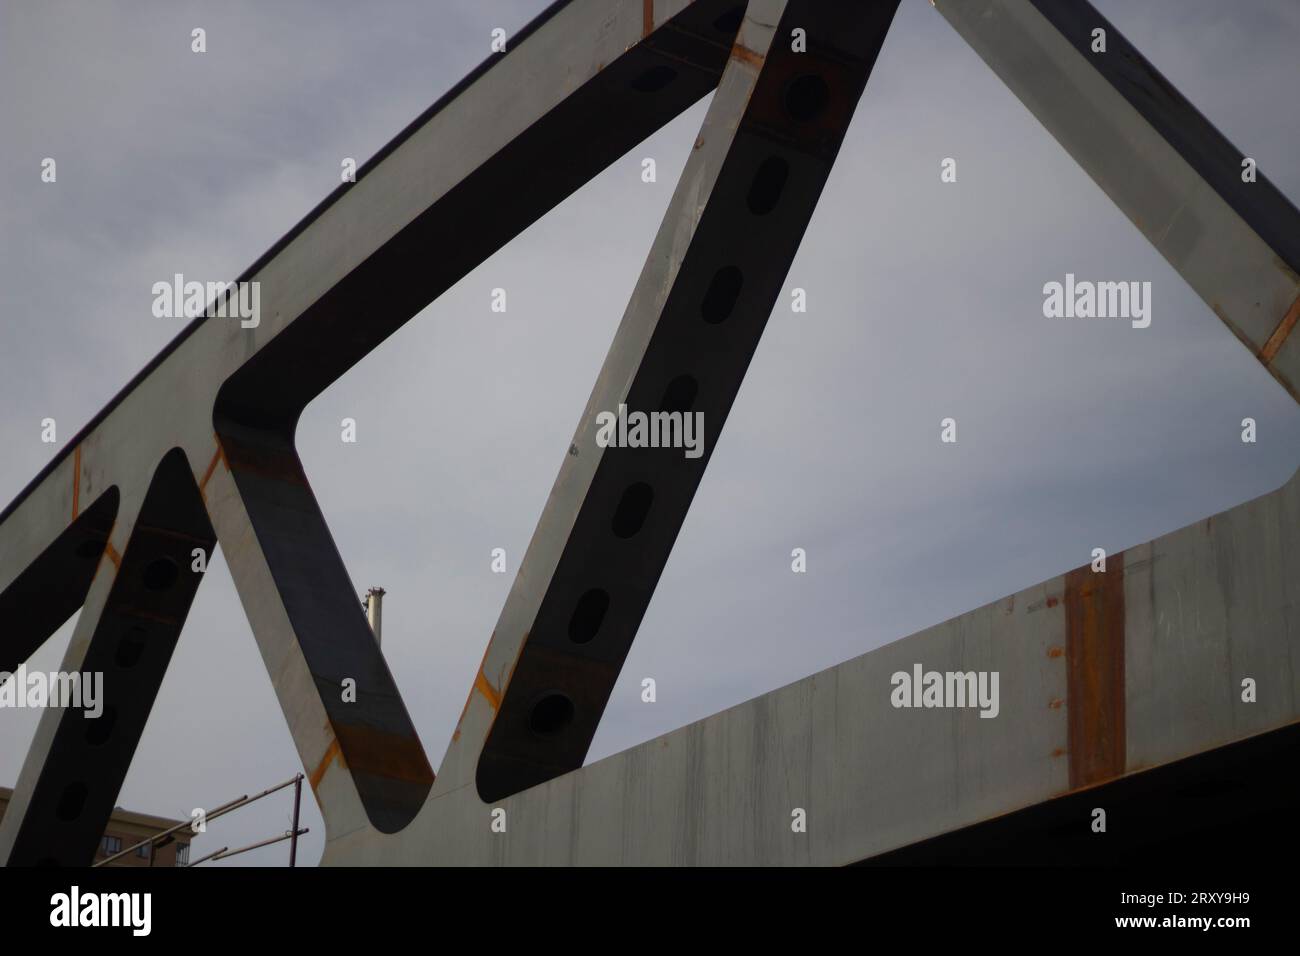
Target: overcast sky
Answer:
[[924, 301]]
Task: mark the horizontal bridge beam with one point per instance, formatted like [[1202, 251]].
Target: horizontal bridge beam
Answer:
[[1101, 676]]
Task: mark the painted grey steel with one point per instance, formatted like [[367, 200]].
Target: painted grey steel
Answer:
[[539, 93], [1202, 608], [872, 777], [1117, 121]]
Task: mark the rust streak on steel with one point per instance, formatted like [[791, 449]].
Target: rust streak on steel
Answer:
[[470, 696], [647, 18], [112, 555], [331, 752], [380, 753], [217, 456], [1280, 334], [1094, 642], [745, 55], [487, 690]]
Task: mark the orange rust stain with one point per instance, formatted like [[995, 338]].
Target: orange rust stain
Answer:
[[487, 690], [1053, 601], [1279, 336], [76, 482], [1055, 651], [1055, 703], [746, 55], [647, 17], [470, 696], [111, 553], [369, 751], [218, 455], [482, 685], [1058, 752], [332, 751], [1094, 640]]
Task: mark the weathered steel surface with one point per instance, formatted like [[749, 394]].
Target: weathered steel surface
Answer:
[[1203, 608], [714, 273], [1094, 656], [578, 88], [1101, 673], [127, 631], [1161, 162]]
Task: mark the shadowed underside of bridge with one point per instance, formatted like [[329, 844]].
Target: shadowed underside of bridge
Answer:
[[1108, 680], [1231, 806]]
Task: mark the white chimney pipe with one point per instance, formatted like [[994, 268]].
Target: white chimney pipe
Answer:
[[375, 611]]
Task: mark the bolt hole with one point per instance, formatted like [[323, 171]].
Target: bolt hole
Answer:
[[551, 715], [588, 615], [130, 648], [721, 296], [632, 509], [99, 729], [72, 801], [680, 394], [806, 97], [769, 181], [160, 574]]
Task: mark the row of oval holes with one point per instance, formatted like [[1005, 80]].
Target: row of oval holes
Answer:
[[159, 575], [806, 97]]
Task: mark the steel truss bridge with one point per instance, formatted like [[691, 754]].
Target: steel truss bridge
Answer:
[[1108, 680]]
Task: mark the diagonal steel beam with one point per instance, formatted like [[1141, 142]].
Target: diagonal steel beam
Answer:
[[577, 88], [1157, 157], [713, 274], [360, 750], [128, 628], [30, 608]]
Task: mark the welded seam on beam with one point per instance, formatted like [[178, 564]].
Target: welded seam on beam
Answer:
[[1280, 334], [1094, 655]]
